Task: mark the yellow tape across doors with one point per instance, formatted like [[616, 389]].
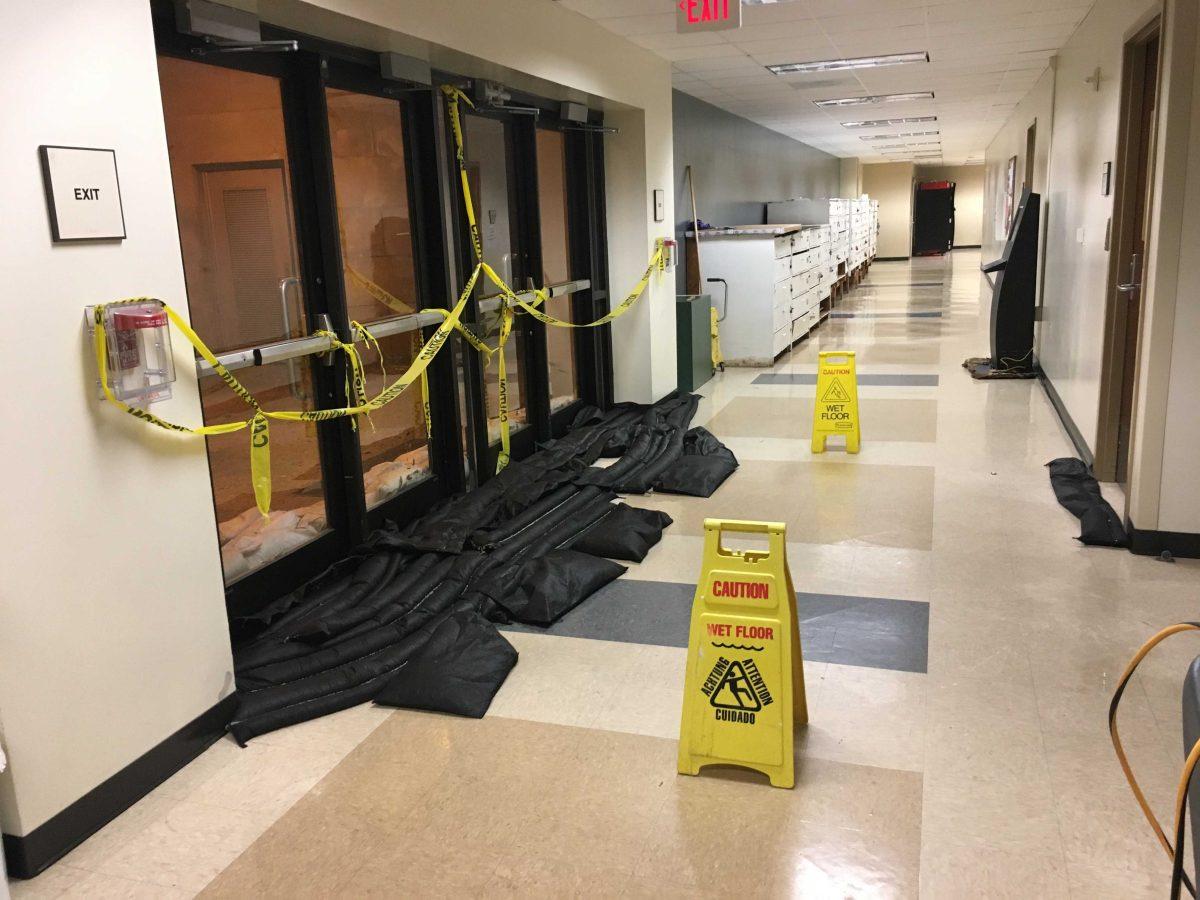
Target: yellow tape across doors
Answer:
[[258, 422], [360, 404]]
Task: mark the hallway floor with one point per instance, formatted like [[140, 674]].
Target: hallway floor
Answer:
[[960, 648]]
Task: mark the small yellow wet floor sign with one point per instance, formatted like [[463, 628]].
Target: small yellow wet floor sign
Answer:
[[744, 688], [836, 409]]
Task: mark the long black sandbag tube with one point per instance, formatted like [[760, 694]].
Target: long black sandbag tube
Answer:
[[1078, 492], [515, 548]]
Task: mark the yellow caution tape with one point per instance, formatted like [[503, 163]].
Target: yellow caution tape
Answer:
[[717, 359], [258, 423], [359, 402]]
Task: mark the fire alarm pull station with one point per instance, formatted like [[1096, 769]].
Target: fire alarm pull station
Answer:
[[668, 252], [141, 367]]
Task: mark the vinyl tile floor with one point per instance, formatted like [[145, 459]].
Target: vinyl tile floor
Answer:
[[961, 650]]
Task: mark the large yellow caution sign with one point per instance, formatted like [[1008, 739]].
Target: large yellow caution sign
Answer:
[[836, 409], [744, 688]]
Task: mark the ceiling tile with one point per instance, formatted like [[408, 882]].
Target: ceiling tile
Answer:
[[985, 55]]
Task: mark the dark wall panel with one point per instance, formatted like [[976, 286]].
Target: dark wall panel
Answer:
[[738, 167]]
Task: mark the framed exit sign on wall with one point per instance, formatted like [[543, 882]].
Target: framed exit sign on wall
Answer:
[[83, 195], [707, 15]]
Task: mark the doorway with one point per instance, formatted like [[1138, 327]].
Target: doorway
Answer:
[[1131, 217], [313, 195], [1030, 154], [933, 218]]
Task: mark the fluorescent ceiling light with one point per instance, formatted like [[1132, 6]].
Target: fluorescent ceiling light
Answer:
[[894, 137], [907, 146], [875, 99], [860, 62], [884, 123]]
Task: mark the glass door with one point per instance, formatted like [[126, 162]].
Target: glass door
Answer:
[[233, 177], [553, 213], [489, 159], [536, 186], [370, 175]]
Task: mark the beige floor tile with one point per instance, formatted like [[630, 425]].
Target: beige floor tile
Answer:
[[1120, 884], [890, 506], [97, 886], [951, 872], [870, 717], [54, 882], [783, 417], [266, 778]]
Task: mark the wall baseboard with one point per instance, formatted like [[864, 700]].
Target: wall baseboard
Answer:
[[1081, 446], [967, 247], [27, 855], [892, 258], [1182, 544]]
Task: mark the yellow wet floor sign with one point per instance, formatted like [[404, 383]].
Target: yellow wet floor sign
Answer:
[[744, 688], [836, 409]]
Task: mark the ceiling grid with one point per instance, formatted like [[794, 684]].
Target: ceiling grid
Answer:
[[984, 56]]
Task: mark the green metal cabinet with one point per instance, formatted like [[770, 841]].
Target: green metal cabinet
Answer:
[[693, 343]]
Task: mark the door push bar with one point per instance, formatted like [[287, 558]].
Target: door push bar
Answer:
[[315, 345]]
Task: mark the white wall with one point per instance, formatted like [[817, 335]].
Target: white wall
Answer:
[[1036, 107], [968, 199], [892, 185], [1075, 279], [1164, 491], [112, 622], [851, 177]]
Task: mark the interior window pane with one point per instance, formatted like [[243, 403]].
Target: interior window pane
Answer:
[[487, 163], [556, 264], [230, 169], [371, 183]]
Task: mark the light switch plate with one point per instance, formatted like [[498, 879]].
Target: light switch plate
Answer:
[[660, 204]]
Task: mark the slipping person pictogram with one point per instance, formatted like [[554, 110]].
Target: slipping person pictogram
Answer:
[[734, 690]]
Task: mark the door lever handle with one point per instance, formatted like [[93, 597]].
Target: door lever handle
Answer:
[[1128, 288]]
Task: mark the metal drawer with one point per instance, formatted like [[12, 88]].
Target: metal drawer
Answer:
[[783, 339], [783, 315], [783, 268], [783, 246]]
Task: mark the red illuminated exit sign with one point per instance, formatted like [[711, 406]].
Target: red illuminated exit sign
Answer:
[[707, 15]]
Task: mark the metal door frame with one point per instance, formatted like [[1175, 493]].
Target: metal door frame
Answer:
[[442, 256]]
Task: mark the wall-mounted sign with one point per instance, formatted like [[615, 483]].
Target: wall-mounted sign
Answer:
[[83, 195], [707, 15]]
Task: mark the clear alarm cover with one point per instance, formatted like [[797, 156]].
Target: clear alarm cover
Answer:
[[141, 367]]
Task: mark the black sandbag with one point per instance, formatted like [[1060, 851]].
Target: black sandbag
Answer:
[[703, 467], [458, 670], [626, 532], [404, 587], [549, 586], [357, 681], [1079, 493], [657, 441], [488, 539]]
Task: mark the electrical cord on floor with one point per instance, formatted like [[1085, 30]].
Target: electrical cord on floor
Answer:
[[1179, 878], [1018, 363]]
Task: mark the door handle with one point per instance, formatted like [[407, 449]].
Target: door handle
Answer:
[[295, 387], [1135, 281]]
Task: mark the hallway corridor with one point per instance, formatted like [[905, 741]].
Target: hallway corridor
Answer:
[[960, 647]]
